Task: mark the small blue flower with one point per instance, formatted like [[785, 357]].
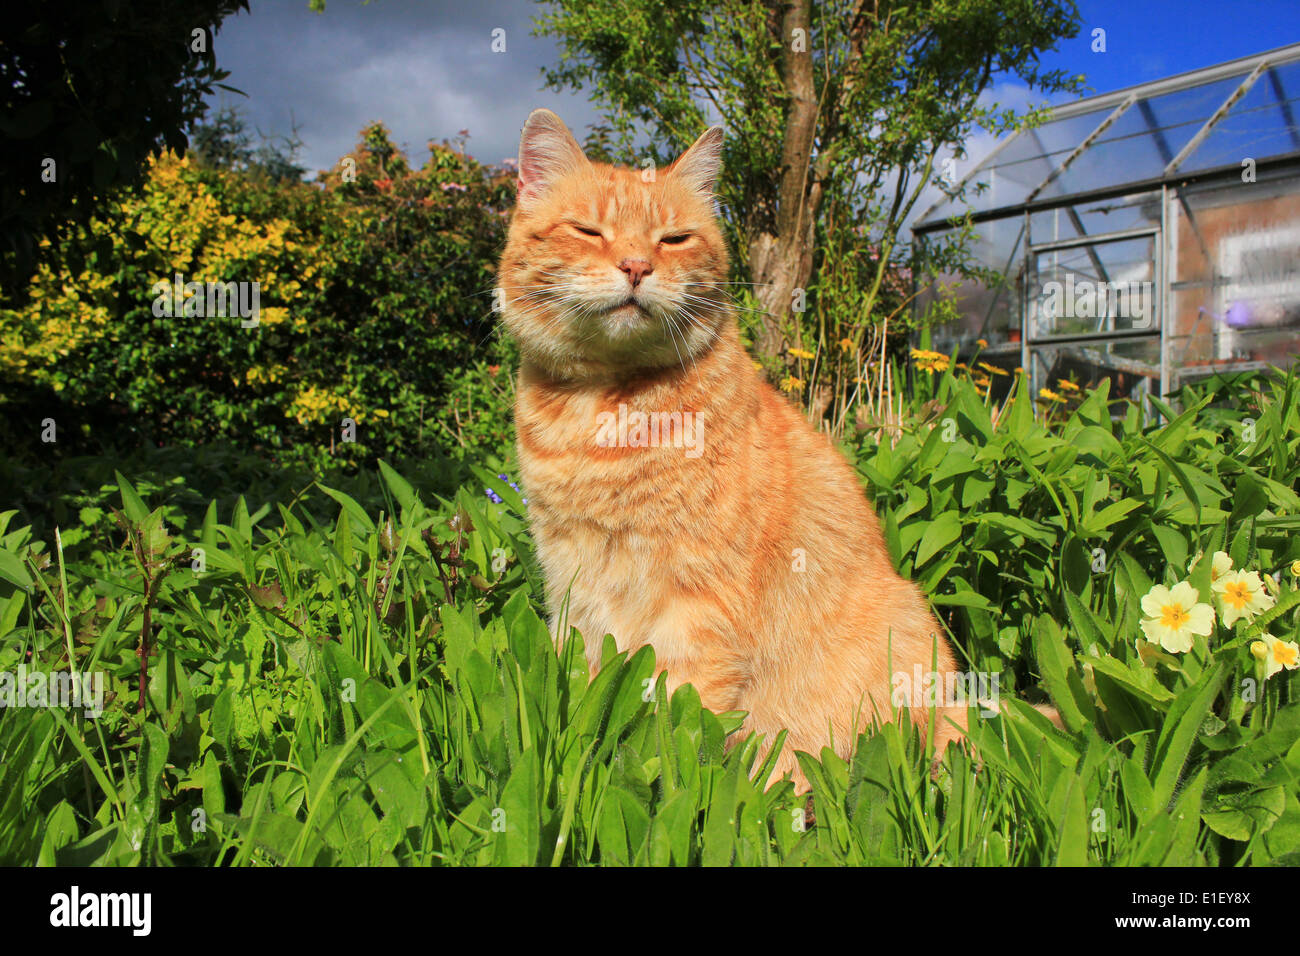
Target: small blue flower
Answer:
[[497, 499]]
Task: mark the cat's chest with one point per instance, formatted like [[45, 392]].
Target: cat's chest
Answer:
[[627, 582], [630, 526], [625, 469]]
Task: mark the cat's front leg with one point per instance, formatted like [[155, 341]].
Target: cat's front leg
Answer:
[[718, 677]]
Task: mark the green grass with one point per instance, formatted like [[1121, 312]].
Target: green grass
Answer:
[[360, 675]]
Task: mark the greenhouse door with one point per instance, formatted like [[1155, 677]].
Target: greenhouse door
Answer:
[[1092, 311]]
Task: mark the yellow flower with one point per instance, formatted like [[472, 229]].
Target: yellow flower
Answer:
[[1241, 594], [1050, 395], [982, 343], [1221, 564], [1174, 617], [1067, 385], [792, 384], [1295, 568], [847, 346], [931, 362], [1276, 654], [801, 353], [992, 369], [758, 366]]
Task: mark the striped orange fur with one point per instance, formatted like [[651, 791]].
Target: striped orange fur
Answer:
[[744, 552]]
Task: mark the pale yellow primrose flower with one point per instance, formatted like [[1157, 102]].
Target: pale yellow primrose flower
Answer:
[[1276, 654], [1174, 617], [1222, 564], [1295, 568], [1241, 594]]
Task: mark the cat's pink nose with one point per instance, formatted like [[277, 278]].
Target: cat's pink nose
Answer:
[[636, 269]]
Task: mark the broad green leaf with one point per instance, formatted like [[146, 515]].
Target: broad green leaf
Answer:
[[131, 503], [399, 486], [354, 510], [941, 532]]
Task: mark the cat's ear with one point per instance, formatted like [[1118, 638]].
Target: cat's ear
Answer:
[[547, 150], [700, 166]]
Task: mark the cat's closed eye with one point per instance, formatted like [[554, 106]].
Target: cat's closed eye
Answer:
[[675, 240], [588, 231]]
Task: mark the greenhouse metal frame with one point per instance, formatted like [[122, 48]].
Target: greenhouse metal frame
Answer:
[[1150, 235]]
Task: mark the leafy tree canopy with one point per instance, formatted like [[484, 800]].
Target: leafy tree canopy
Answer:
[[835, 109], [88, 90]]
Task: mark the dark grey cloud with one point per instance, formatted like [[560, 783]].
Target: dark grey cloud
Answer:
[[425, 68]]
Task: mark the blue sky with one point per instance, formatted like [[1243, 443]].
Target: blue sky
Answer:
[[426, 67], [1150, 39]]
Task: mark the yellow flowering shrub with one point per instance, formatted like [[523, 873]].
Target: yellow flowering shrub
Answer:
[[364, 310]]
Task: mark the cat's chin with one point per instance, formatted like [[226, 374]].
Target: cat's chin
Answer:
[[627, 321]]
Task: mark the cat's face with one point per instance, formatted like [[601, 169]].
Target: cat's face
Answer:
[[609, 269]]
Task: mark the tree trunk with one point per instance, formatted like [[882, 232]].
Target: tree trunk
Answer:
[[781, 257]]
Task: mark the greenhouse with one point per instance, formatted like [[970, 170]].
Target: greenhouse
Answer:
[[1150, 235]]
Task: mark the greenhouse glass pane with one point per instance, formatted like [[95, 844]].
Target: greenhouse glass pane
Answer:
[[1235, 277], [1263, 124], [1132, 365], [1096, 288], [1138, 211], [1140, 144], [988, 312], [1022, 165]]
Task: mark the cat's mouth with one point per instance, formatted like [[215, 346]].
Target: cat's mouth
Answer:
[[627, 322], [628, 307]]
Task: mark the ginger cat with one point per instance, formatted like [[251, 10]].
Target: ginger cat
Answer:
[[675, 498]]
